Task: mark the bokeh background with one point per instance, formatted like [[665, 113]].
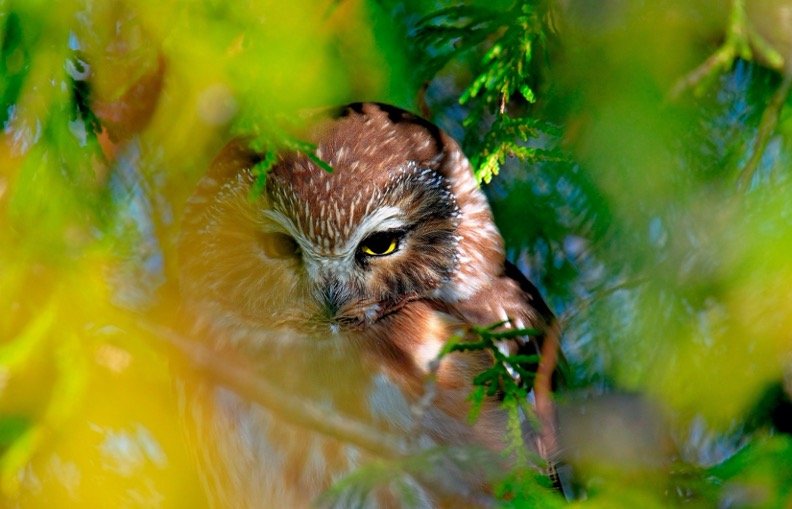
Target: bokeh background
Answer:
[[636, 155]]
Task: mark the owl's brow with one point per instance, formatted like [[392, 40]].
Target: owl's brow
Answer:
[[383, 219], [285, 224]]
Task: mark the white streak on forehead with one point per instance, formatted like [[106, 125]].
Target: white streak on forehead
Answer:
[[384, 218], [341, 154], [317, 259], [287, 226]]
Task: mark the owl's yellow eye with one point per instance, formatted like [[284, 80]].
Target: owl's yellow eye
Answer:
[[380, 244]]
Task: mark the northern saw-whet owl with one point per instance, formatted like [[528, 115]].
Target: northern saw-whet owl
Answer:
[[340, 288]]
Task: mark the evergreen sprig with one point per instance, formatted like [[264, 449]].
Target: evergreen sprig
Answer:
[[510, 376], [269, 139], [504, 43]]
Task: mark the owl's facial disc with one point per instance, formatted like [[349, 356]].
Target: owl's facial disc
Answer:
[[343, 279], [368, 253]]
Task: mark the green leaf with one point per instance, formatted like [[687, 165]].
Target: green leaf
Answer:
[[260, 172], [476, 399], [527, 93], [12, 427]]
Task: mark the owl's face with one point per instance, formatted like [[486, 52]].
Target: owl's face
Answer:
[[379, 231], [399, 219]]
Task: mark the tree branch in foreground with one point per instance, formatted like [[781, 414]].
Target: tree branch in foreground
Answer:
[[766, 128], [228, 371]]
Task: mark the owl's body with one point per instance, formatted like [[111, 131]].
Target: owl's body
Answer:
[[340, 289]]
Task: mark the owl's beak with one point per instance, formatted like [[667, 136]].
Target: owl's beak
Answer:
[[343, 309], [332, 299]]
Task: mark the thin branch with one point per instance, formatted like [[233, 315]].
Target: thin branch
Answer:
[[419, 409], [766, 128], [232, 373], [741, 42], [543, 392], [420, 99], [600, 294], [721, 59], [736, 45]]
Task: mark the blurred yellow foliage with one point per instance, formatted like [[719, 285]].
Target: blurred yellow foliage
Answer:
[[87, 411], [88, 224]]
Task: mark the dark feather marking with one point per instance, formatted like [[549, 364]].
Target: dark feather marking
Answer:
[[397, 116], [534, 297]]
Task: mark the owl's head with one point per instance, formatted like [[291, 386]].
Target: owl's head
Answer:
[[400, 218]]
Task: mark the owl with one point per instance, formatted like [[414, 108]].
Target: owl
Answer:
[[340, 289]]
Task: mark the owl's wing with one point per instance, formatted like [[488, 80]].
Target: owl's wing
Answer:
[[512, 297], [509, 298], [532, 296], [530, 292]]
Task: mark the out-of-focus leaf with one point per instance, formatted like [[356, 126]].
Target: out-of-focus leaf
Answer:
[[12, 427], [759, 475], [19, 350]]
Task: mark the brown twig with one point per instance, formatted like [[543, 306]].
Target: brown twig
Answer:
[[543, 392], [423, 106]]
